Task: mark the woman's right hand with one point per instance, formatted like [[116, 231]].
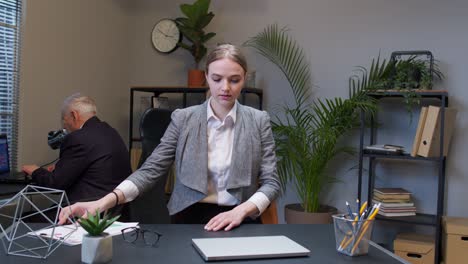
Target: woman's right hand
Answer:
[[78, 210]]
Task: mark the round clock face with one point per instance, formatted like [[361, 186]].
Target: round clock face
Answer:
[[165, 36]]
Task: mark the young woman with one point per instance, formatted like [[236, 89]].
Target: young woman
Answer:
[[224, 154]]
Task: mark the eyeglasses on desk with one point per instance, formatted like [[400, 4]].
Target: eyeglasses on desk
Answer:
[[150, 237]]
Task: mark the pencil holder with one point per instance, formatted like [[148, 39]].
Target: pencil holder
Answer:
[[352, 236]]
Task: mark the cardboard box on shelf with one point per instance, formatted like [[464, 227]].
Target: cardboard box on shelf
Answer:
[[415, 248], [455, 240]]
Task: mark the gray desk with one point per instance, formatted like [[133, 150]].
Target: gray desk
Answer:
[[175, 247], [9, 190]]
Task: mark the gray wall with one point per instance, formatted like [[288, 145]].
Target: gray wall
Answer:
[[71, 46], [337, 35]]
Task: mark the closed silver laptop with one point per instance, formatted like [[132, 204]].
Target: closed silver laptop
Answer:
[[227, 248]]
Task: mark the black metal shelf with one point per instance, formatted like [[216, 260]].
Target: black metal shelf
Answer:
[[418, 219], [157, 91], [180, 89], [401, 157], [436, 94]]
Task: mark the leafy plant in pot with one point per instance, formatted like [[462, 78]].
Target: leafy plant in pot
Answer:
[[307, 134], [406, 75], [192, 28], [97, 245]]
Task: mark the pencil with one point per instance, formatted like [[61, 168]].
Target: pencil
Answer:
[[365, 227]]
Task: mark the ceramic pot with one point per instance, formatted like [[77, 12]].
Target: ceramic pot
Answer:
[[196, 78], [294, 214], [96, 249]]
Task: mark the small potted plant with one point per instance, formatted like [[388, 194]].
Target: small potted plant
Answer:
[[406, 75], [97, 245], [191, 26]]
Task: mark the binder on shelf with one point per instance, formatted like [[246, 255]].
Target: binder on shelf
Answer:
[[419, 131], [429, 145]]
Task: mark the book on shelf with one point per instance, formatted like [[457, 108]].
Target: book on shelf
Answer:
[[388, 194], [398, 203], [391, 200], [391, 191], [395, 147], [389, 197], [397, 214], [399, 209], [384, 149]]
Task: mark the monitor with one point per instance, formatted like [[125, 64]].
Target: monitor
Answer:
[[4, 156]]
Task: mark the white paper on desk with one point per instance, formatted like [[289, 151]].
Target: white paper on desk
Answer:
[[76, 237]]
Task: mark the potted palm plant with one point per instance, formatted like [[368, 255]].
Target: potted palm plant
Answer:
[[192, 28], [97, 245], [307, 133]]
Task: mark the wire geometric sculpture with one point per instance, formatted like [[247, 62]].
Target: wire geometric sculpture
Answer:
[[21, 238]]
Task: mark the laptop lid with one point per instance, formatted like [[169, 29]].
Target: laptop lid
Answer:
[[4, 156], [227, 248]]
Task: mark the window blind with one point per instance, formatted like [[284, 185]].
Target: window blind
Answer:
[[10, 29]]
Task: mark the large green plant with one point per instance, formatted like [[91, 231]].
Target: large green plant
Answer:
[[307, 134], [192, 28]]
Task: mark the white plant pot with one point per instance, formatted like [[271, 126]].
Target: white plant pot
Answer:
[[96, 249]]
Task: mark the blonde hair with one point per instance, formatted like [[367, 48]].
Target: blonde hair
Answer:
[[81, 104], [226, 51]]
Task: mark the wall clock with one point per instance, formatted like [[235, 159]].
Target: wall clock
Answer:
[[165, 36]]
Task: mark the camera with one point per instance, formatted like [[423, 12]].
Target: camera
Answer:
[[55, 138]]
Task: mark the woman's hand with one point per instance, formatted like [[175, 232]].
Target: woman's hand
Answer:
[[78, 210], [82, 209], [232, 218]]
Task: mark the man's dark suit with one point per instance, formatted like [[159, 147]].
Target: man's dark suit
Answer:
[[93, 161]]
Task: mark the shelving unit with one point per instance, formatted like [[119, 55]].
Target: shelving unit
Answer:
[[434, 220], [157, 91]]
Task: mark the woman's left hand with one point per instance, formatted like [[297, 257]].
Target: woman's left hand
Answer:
[[232, 218]]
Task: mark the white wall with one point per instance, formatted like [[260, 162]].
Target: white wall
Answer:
[[71, 46]]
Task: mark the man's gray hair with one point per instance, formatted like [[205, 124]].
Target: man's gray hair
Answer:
[[80, 103]]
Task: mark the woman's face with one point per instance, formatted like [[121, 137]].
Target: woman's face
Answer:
[[225, 79]]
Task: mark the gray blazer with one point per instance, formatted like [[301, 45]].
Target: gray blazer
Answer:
[[253, 158]]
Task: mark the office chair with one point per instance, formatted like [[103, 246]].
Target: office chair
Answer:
[[270, 215], [153, 124], [150, 208]]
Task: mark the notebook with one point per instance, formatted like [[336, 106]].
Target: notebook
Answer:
[[227, 248], [6, 176]]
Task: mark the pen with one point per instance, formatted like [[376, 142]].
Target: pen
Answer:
[[363, 208], [376, 210], [350, 212], [372, 211], [357, 208]]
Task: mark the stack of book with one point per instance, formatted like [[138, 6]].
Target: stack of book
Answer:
[[394, 202]]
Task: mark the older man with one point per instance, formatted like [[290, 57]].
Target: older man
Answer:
[[93, 157]]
